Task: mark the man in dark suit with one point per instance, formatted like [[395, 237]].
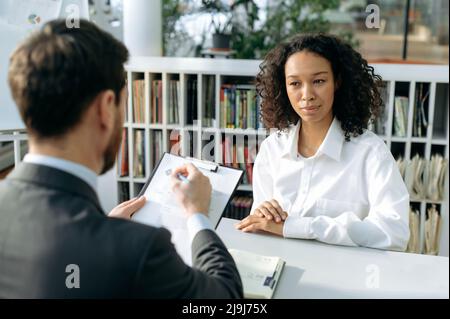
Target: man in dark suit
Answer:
[[55, 240]]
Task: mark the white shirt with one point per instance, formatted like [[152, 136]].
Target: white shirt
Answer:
[[348, 193], [195, 223]]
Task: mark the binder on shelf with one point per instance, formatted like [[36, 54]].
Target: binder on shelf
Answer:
[[161, 210], [432, 231], [414, 229]]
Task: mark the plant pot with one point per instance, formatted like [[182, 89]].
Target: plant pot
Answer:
[[221, 41]]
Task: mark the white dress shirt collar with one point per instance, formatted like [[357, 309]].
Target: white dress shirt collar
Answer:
[[80, 171], [331, 145]]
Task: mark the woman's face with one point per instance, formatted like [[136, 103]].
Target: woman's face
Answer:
[[310, 86]]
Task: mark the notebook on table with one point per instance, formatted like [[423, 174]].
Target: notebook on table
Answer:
[[259, 274]]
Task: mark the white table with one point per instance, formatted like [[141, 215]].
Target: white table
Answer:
[[317, 270]]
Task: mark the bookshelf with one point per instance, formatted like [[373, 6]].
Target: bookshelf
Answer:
[[204, 124]]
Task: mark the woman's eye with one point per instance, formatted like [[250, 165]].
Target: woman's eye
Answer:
[[294, 83], [319, 81]]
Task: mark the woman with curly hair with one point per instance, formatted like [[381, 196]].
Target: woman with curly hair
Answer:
[[323, 175]]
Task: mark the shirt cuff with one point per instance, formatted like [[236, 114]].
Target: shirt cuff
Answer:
[[197, 222], [298, 227]]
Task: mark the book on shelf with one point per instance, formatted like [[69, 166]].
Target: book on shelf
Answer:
[[432, 230], [420, 120], [139, 101], [400, 115], [424, 179], [122, 159], [209, 107], [174, 101], [156, 111], [414, 230], [139, 154], [239, 207], [191, 103], [259, 274], [239, 155], [239, 106], [437, 169], [124, 192], [156, 146]]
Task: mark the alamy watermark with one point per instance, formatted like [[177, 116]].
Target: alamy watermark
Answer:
[[373, 277], [73, 16], [73, 277], [224, 146], [373, 18]]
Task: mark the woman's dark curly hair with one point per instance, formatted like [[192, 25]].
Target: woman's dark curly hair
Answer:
[[356, 101]]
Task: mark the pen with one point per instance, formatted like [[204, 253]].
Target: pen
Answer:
[[183, 178]]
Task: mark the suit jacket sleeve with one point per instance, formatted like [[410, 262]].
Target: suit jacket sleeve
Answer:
[[163, 273]]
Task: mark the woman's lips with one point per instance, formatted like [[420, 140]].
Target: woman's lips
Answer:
[[310, 109]]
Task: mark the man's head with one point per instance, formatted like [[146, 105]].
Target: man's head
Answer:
[[68, 79]]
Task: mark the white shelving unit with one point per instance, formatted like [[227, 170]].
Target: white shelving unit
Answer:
[[403, 77], [399, 79]]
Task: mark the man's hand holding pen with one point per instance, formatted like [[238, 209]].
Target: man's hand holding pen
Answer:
[[192, 189]]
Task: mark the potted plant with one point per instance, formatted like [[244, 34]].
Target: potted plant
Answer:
[[220, 23]]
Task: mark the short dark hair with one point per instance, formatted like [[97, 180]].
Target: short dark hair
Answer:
[[356, 101], [58, 71]]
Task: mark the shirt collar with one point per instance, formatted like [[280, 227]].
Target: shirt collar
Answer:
[[331, 145], [291, 147], [80, 171]]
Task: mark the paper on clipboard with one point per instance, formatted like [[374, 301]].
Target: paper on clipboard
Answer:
[[161, 209]]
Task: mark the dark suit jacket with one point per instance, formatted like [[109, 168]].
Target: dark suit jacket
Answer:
[[50, 219]]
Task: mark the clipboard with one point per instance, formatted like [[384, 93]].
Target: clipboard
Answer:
[[162, 210]]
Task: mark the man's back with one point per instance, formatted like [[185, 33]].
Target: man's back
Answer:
[[53, 232]]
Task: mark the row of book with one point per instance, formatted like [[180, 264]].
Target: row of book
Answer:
[[138, 99], [432, 230], [420, 113], [138, 165], [123, 190], [156, 147], [122, 157], [156, 96], [156, 107], [173, 112], [139, 153], [239, 106], [239, 207], [191, 101], [401, 104], [239, 155], [424, 179], [209, 106], [400, 113]]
